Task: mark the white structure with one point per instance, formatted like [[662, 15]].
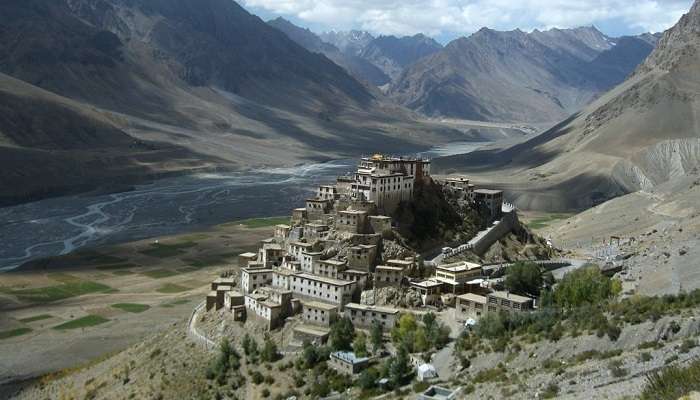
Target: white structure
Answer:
[[253, 278], [328, 290], [426, 372]]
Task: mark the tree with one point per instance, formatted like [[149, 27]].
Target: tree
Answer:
[[399, 367], [376, 336], [359, 346], [407, 325], [342, 334], [420, 341], [269, 352], [524, 278], [583, 286], [368, 379], [429, 320]]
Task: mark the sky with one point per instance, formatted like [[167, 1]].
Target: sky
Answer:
[[446, 20]]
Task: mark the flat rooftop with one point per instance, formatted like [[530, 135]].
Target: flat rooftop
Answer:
[[333, 261], [301, 244], [331, 281], [349, 357], [257, 270], [510, 296], [312, 330], [488, 191], [364, 307], [462, 266], [473, 298], [400, 262], [355, 272], [389, 268], [427, 283], [248, 255], [319, 305]]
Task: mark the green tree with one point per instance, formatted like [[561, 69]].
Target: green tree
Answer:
[[377, 336], [583, 286], [420, 341], [368, 378], [406, 326], [399, 367], [342, 334], [524, 278], [429, 320], [359, 346], [269, 351]]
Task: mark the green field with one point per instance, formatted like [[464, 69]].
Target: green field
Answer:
[[96, 258], [36, 318], [14, 332], [263, 222], [116, 267], [59, 292], [160, 273], [543, 222], [123, 272], [210, 261], [172, 288], [175, 303], [160, 250], [131, 307], [84, 322]]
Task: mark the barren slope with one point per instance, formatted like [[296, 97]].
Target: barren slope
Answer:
[[639, 135]]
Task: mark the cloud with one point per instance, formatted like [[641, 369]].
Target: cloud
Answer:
[[462, 17]]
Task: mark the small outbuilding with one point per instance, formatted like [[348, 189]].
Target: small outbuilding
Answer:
[[426, 372]]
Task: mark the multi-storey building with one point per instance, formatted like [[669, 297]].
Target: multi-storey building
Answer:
[[318, 313], [385, 275], [329, 268], [456, 275], [363, 316], [324, 289], [253, 278], [489, 202]]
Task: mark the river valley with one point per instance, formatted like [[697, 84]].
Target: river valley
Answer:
[[176, 205]]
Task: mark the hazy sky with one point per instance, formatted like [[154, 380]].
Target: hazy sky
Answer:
[[448, 19]]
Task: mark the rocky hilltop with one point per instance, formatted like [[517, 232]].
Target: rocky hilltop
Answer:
[[537, 77], [639, 135]]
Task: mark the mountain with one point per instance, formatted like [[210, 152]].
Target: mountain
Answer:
[[393, 54], [213, 84], [349, 42], [354, 64], [540, 77], [641, 135]]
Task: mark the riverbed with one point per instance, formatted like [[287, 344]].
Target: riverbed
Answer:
[[183, 204]]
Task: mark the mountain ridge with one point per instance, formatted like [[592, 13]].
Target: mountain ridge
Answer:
[[641, 134]]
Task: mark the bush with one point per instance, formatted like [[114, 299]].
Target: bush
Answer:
[[672, 383], [524, 278], [258, 378], [583, 286], [265, 393], [687, 345], [342, 334], [645, 357], [551, 391]]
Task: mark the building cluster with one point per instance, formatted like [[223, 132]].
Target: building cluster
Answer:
[[293, 273], [290, 273]]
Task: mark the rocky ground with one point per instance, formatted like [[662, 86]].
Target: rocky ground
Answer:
[[157, 287], [659, 235]]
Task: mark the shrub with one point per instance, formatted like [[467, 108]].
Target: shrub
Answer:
[[645, 357], [551, 391], [672, 382], [687, 345]]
